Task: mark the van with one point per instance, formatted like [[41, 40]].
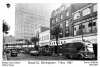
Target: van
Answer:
[[77, 50]]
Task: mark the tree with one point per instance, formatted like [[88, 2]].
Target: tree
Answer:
[[5, 27], [27, 42], [55, 32], [5, 31], [35, 40]]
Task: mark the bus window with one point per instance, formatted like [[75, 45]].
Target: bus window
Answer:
[[79, 46]]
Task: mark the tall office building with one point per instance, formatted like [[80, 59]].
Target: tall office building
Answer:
[[28, 17]]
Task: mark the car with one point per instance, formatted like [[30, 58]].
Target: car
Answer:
[[14, 53], [34, 52], [22, 51], [45, 52]]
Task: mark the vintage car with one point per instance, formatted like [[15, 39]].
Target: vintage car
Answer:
[[34, 52], [14, 52]]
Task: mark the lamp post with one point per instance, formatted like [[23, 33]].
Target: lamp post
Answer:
[[82, 32]]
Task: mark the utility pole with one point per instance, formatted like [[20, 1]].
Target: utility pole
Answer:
[[82, 32]]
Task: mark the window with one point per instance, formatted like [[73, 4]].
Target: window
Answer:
[[66, 23], [94, 26], [77, 15], [54, 43], [67, 13], [67, 32], [86, 27], [86, 11], [61, 42], [56, 19], [67, 29], [61, 30], [76, 29], [61, 16], [95, 8], [64, 41], [52, 21]]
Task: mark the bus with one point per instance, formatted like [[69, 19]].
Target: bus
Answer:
[[78, 50]]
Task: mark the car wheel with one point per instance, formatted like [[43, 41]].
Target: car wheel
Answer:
[[80, 57]]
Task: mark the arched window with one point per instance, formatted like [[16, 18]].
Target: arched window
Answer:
[[86, 11]]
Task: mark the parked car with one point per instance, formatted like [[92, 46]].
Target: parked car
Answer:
[[45, 52], [14, 52], [21, 51], [34, 52]]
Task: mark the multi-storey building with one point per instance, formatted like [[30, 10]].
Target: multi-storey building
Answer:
[[44, 38], [77, 22], [38, 32], [61, 17], [9, 39], [28, 17]]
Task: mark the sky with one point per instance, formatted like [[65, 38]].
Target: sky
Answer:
[[9, 14]]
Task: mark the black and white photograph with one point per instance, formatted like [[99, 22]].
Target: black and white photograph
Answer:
[[49, 33], [45, 31]]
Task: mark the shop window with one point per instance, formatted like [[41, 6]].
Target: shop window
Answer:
[[86, 11], [95, 8]]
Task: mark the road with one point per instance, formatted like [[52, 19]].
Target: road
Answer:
[[22, 56]]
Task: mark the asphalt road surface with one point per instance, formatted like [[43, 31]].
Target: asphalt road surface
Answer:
[[22, 56]]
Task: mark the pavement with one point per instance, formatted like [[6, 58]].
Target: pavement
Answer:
[[4, 56]]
